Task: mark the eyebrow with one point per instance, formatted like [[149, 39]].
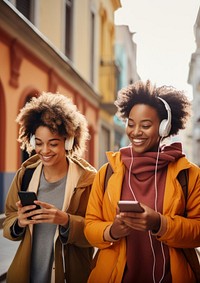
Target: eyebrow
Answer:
[[54, 139], [145, 120]]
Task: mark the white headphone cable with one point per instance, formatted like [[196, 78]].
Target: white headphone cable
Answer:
[[156, 209]]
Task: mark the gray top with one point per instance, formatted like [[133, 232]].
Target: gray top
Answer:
[[43, 234]]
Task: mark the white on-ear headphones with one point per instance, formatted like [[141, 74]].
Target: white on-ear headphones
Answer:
[[69, 143], [165, 125], [32, 141]]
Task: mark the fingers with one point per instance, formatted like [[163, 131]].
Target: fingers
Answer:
[[137, 225], [18, 204], [51, 215], [119, 229], [47, 213], [148, 220], [44, 204], [24, 215]]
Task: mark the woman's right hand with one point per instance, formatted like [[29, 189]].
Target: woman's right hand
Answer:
[[22, 215], [119, 229]]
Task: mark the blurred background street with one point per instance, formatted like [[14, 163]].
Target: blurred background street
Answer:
[[89, 50]]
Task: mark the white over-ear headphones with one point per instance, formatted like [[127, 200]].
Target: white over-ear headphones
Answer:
[[165, 125], [32, 141], [69, 143]]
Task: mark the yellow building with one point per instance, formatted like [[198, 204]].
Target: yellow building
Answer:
[[90, 47], [58, 46]]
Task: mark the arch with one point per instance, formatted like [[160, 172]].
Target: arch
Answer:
[[25, 97]]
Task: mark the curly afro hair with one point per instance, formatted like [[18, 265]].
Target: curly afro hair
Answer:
[[147, 93], [59, 114]]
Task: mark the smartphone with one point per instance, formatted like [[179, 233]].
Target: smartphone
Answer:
[[130, 206], [27, 198]]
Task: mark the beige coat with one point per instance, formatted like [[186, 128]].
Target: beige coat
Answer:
[[78, 252]]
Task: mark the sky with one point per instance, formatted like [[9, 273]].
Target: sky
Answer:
[[164, 34]]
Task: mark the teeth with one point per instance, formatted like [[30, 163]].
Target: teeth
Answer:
[[46, 157], [137, 141]]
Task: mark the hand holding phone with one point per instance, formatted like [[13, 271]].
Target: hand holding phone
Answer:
[[27, 198], [130, 206]]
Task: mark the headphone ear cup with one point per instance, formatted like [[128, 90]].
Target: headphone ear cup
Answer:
[[164, 128], [161, 128], [165, 125], [69, 143], [32, 141]]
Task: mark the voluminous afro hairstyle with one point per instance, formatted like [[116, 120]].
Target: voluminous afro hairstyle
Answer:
[[59, 114], [147, 93]]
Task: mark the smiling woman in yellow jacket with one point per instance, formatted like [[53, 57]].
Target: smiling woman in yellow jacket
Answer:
[[147, 246]]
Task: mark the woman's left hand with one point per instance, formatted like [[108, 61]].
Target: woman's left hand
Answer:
[[50, 214], [147, 220]]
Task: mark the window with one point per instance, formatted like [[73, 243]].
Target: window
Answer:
[[26, 8], [68, 28], [92, 46], [104, 145], [90, 151]]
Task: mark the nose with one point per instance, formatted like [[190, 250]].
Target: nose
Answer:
[[45, 148], [137, 131]]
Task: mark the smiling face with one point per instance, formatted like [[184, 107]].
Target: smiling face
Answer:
[[50, 147], [143, 128]]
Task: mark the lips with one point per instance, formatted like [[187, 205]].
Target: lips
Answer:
[[46, 158], [138, 142]]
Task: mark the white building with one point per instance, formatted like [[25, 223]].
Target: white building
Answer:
[[126, 61], [194, 80]]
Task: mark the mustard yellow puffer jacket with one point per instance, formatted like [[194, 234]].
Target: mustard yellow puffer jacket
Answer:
[[180, 233]]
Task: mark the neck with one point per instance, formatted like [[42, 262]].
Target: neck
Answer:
[[55, 173]]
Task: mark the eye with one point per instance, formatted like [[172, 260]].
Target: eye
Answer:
[[130, 124], [38, 143], [146, 126], [53, 144]]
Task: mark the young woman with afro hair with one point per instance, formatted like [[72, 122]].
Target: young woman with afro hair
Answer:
[[146, 246], [53, 246]]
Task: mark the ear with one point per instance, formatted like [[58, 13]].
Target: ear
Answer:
[[69, 143], [32, 141]]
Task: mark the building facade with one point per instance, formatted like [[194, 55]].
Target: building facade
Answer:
[[54, 46], [194, 80], [125, 56]]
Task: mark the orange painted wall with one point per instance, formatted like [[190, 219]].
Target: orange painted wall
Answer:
[[31, 76]]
